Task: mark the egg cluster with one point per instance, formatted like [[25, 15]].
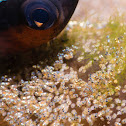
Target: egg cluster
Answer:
[[56, 96]]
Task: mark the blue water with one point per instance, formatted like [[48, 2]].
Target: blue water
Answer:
[[2, 0]]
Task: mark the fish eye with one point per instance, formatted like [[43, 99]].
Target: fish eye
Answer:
[[40, 14]]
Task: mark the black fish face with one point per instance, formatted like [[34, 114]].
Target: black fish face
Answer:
[[29, 23]]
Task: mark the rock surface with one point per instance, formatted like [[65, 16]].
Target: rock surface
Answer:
[[102, 9]]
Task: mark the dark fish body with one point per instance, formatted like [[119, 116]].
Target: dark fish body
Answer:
[[26, 24]]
